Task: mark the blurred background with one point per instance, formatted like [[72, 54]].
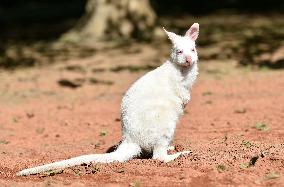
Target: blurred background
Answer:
[[36, 32]]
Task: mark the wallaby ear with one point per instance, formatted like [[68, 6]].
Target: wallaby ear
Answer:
[[193, 32], [172, 36]]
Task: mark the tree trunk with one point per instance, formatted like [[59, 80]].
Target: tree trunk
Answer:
[[113, 20]]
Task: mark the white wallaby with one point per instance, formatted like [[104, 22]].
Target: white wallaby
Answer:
[[150, 108]]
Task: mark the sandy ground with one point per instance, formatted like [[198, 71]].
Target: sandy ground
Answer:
[[233, 124]]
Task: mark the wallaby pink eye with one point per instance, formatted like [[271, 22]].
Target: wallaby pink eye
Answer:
[[179, 51]]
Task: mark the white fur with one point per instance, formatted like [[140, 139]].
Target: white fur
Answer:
[[150, 109]]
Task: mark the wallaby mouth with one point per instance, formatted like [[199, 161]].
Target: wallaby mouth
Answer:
[[187, 64]]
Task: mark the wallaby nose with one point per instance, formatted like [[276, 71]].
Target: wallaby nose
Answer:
[[188, 59]]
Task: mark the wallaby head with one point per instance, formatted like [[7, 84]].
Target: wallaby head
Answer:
[[183, 47]]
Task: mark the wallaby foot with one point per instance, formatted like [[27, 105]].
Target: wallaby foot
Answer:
[[162, 155], [171, 148]]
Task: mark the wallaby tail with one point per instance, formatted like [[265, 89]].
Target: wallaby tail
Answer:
[[124, 152]]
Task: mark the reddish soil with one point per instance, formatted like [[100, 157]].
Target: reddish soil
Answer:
[[233, 124]]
